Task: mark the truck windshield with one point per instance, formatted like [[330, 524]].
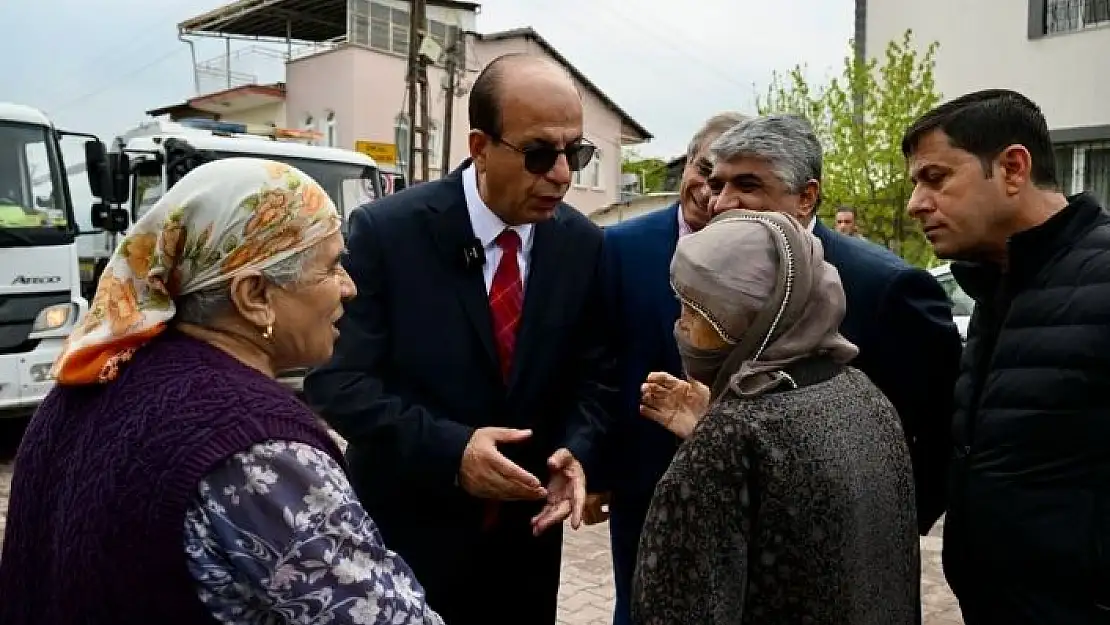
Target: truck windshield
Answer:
[[33, 207], [349, 185]]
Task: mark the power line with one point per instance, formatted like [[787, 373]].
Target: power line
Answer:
[[111, 83], [151, 31], [665, 40]]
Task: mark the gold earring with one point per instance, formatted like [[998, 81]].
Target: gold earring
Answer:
[[269, 333]]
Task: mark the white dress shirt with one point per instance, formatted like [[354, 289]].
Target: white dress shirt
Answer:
[[487, 225]]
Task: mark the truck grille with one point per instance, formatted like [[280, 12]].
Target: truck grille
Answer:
[[17, 316]]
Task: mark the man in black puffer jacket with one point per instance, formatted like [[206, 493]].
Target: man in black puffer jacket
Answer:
[[1027, 536]]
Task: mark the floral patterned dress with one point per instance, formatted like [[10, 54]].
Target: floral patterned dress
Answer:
[[276, 535]]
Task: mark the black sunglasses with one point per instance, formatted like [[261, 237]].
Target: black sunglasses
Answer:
[[540, 158]]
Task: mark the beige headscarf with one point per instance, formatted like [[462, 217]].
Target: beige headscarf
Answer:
[[223, 218], [769, 265]]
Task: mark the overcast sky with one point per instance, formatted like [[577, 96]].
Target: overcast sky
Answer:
[[96, 66]]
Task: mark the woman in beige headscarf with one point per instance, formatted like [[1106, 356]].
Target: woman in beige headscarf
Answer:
[[791, 500]]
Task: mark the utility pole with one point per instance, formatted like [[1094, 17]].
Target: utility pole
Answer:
[[425, 157], [455, 56], [417, 78]]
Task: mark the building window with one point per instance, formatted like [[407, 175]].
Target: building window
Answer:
[[401, 137], [1064, 164], [310, 126], [1063, 16], [434, 151], [438, 32], [331, 135], [382, 27], [378, 26], [1096, 177], [1089, 165], [590, 175]]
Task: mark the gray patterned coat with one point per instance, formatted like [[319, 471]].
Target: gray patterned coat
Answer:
[[795, 507]]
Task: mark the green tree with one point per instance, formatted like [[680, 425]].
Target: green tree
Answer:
[[653, 171], [860, 117]]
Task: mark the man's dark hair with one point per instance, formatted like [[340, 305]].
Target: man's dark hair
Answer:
[[846, 209], [986, 122], [485, 95]]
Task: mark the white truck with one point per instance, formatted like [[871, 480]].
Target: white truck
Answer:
[[962, 304], [40, 290], [160, 152]]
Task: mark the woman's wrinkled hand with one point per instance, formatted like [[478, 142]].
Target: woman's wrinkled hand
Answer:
[[674, 403]]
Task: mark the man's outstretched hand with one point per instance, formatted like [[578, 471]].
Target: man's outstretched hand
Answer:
[[487, 473], [566, 493]]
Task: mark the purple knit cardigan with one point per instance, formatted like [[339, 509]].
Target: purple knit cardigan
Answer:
[[104, 474]]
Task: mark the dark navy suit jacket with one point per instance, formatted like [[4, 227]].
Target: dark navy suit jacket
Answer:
[[901, 319], [637, 256], [897, 314], [416, 371]]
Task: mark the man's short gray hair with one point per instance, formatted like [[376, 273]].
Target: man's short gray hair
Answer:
[[712, 128], [205, 306], [787, 142]]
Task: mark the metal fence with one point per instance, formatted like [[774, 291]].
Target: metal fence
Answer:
[[252, 65], [1070, 15]]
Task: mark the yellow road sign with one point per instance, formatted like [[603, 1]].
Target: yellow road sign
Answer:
[[382, 153]]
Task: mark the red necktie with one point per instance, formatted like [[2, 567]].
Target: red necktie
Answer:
[[506, 298]]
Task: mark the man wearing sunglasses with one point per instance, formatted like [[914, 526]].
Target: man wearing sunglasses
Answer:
[[472, 369]]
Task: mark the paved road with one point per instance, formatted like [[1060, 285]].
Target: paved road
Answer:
[[586, 593]]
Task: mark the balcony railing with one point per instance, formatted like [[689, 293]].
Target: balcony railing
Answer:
[[252, 65]]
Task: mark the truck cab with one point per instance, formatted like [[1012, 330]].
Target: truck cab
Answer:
[[157, 149], [40, 295], [159, 153]]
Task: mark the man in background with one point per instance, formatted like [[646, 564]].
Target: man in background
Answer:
[[846, 222], [897, 314], [644, 308]]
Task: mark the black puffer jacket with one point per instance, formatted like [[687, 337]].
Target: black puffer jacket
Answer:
[[1027, 537]]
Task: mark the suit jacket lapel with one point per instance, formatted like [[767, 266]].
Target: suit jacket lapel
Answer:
[[543, 275], [449, 223], [669, 305]]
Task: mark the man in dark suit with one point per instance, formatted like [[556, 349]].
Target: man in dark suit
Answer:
[[897, 315], [472, 370], [638, 257]]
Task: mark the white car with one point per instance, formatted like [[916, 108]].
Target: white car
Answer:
[[962, 304]]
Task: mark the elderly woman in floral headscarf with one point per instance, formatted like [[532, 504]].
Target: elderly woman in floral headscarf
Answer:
[[791, 499], [168, 478]]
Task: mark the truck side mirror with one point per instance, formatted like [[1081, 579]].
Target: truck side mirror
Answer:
[[97, 168], [119, 168], [110, 219]]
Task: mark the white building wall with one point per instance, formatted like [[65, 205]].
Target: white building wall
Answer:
[[985, 44]]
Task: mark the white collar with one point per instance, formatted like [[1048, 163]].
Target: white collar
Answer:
[[486, 224]]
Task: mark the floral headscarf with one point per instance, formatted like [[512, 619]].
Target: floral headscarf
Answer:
[[221, 219]]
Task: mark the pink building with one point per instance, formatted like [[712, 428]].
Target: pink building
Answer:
[[345, 77]]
